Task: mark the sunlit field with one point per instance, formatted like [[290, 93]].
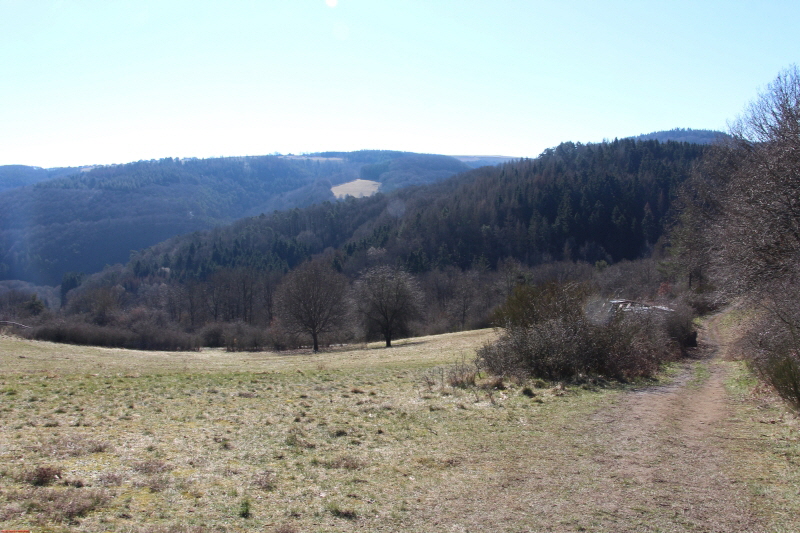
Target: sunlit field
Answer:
[[357, 439], [356, 188]]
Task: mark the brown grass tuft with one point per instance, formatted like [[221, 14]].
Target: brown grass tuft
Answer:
[[40, 476], [51, 504]]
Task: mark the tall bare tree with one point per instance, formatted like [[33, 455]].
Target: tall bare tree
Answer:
[[740, 212], [387, 299], [311, 300]]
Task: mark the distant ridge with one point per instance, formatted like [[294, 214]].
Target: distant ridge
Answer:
[[475, 161], [12, 176], [91, 216], [686, 135]]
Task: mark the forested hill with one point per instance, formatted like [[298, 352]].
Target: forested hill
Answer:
[[12, 176], [89, 219], [687, 135], [592, 202]]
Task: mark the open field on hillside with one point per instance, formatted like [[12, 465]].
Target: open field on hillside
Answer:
[[357, 188], [373, 439]]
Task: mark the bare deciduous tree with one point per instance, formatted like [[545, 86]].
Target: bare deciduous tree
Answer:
[[311, 300], [387, 298], [756, 225], [748, 218]]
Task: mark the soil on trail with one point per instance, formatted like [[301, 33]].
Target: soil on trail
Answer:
[[667, 444], [655, 460]]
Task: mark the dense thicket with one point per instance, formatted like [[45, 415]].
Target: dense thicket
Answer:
[[89, 219], [549, 332], [599, 202], [740, 230]]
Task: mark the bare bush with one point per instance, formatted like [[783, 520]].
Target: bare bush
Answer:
[[111, 479], [771, 348], [156, 483], [241, 337], [783, 373], [462, 375], [265, 480], [72, 446], [55, 505], [151, 466], [40, 476], [679, 325], [547, 334], [146, 337]]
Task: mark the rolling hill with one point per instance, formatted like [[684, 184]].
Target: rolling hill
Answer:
[[607, 201], [13, 176], [87, 219]]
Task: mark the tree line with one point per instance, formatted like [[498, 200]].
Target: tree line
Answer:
[[465, 241]]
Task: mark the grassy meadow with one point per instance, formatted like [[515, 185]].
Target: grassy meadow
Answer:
[[357, 439]]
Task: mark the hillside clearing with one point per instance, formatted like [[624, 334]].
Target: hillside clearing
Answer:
[[357, 188], [370, 439]]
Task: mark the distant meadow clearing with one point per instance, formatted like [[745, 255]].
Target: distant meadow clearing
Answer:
[[357, 188]]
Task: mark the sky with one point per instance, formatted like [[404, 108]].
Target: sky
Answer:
[[86, 82]]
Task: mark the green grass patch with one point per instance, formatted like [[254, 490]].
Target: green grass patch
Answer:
[[700, 374]]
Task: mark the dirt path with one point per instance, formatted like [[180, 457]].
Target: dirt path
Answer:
[[665, 445], [653, 461]]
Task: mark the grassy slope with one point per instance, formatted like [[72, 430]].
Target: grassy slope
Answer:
[[356, 189], [354, 440]]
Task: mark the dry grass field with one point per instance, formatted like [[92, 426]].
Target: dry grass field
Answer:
[[373, 439], [356, 188]]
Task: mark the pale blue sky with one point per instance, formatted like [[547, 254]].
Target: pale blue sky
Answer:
[[111, 81]]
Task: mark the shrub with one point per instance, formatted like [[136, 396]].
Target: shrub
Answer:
[[549, 335], [771, 348], [213, 335], [56, 505], [782, 372], [241, 337], [265, 480], [462, 375], [144, 337], [679, 326], [155, 483], [41, 475], [244, 508], [151, 466], [72, 446], [114, 479]]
